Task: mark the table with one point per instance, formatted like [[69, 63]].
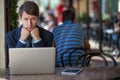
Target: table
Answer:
[[88, 73]]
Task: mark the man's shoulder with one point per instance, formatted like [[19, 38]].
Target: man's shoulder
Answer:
[[13, 32], [62, 26], [75, 26], [57, 27], [45, 32]]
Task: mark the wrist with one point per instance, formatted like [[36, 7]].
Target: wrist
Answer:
[[22, 41], [36, 38], [36, 41]]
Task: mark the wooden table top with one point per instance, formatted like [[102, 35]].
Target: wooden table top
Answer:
[[98, 73]]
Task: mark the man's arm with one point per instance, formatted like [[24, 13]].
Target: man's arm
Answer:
[[20, 44], [12, 42], [39, 44], [44, 38], [45, 43]]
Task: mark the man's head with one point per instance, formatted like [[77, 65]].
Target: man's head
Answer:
[[68, 15], [30, 8], [29, 13]]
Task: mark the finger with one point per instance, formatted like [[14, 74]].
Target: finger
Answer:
[[26, 29]]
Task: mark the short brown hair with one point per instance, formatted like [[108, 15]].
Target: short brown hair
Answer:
[[30, 8]]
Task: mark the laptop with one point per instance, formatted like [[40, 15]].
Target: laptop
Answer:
[[32, 60]]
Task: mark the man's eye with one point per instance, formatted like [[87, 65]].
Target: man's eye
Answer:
[[26, 19]]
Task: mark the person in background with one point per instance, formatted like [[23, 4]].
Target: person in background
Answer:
[[117, 23], [59, 10], [68, 36], [116, 34], [51, 22], [29, 34], [41, 20]]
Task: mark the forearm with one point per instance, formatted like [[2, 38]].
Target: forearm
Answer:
[[20, 45], [43, 44], [39, 44]]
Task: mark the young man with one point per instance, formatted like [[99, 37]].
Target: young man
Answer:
[[68, 36], [29, 34]]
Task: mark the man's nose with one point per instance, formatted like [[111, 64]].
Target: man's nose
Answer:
[[29, 22]]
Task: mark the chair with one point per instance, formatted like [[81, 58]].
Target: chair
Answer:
[[87, 57]]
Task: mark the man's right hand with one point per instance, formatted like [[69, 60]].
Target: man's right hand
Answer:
[[24, 34]]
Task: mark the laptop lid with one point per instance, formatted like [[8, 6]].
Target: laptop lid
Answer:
[[32, 60]]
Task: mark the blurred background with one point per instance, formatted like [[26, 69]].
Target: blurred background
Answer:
[[100, 19]]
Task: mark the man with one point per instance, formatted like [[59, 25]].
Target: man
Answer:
[[68, 36], [29, 34]]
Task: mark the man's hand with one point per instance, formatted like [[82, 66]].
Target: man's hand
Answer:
[[35, 34], [24, 34]]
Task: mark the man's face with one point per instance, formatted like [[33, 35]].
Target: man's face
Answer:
[[29, 21]]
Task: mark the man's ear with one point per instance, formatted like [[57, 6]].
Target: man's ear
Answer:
[[20, 17]]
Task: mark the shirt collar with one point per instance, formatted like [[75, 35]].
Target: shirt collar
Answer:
[[67, 22]]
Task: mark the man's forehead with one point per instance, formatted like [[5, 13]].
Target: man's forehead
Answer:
[[24, 14]]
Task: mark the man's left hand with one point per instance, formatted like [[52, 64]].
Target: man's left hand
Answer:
[[35, 34]]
